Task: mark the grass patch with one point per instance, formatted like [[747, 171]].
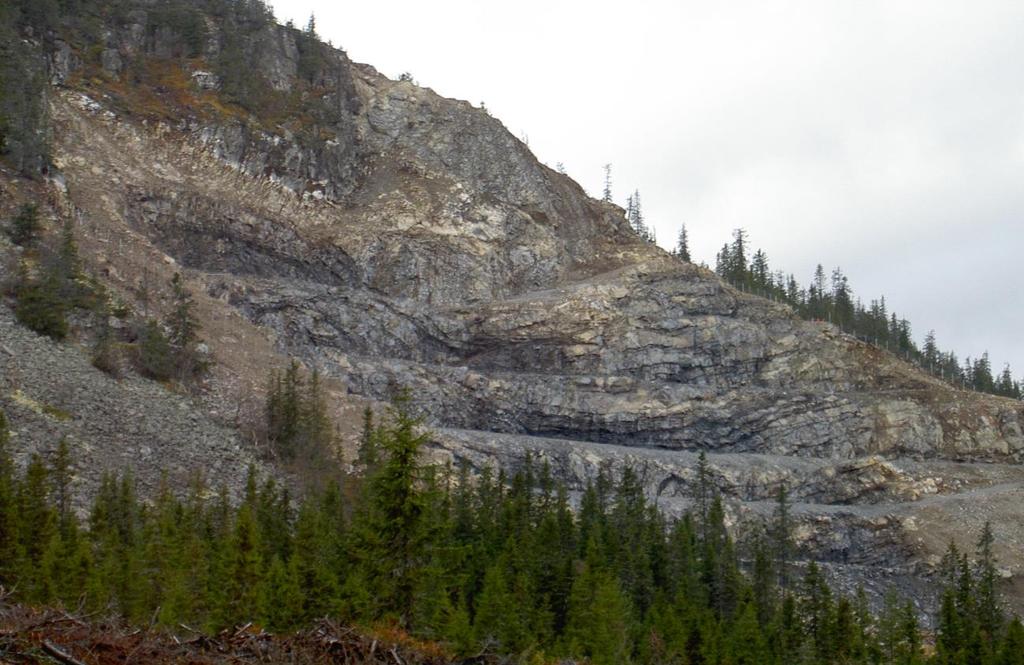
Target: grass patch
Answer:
[[40, 408]]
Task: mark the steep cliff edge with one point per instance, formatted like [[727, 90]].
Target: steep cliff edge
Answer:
[[414, 242]]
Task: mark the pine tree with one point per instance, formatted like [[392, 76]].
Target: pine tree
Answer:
[[990, 615], [1006, 386], [61, 477], [760, 273], [285, 411], [368, 454], [600, 618], [183, 332], [155, 352], [1012, 650], [9, 544], [764, 580], [498, 623], [244, 570], [390, 533], [36, 526], [104, 350], [982, 374], [315, 430], [311, 58], [705, 491], [736, 268], [782, 536], [746, 641], [635, 217], [280, 598], [68, 265], [25, 226], [317, 583], [683, 245], [931, 351], [40, 306], [719, 566]]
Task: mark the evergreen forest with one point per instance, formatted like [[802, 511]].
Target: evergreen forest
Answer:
[[482, 564]]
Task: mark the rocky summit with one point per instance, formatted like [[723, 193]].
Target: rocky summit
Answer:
[[409, 240]]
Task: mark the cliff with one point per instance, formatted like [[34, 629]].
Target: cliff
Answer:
[[405, 239]]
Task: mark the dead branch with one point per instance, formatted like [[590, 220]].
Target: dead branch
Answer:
[[56, 652]]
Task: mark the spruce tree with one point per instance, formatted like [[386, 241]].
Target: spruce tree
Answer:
[[104, 350], [184, 332], [782, 536], [310, 564], [155, 352], [682, 249], [390, 534], [9, 545], [243, 571], [368, 453], [990, 615], [746, 642], [280, 597], [498, 623], [61, 477], [1012, 650], [705, 491], [37, 525], [25, 226], [599, 624], [315, 436], [40, 306]]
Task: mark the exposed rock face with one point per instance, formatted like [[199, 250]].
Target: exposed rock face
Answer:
[[50, 391], [424, 246]]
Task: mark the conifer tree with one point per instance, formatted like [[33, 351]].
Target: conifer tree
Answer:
[[760, 273], [368, 454], [280, 599], [9, 544], [68, 265], [25, 226], [818, 609], [1012, 651], [104, 350], [40, 306], [390, 534], [310, 563], [782, 536], [184, 332], [315, 430], [285, 411], [600, 619], [311, 59], [243, 571], [36, 526], [736, 270], [61, 477], [990, 615], [155, 352], [682, 249], [931, 351], [498, 622], [705, 491], [747, 645], [763, 580]]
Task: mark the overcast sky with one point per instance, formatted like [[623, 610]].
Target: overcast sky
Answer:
[[883, 137]]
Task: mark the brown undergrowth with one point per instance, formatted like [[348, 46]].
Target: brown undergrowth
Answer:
[[31, 635]]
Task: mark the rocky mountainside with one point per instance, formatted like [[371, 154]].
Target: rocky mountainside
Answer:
[[412, 241]]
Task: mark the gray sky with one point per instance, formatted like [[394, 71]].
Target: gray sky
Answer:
[[885, 137]]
